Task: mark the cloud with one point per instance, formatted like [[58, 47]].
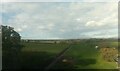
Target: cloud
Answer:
[[61, 20], [112, 19], [1, 20], [60, 0], [94, 24], [18, 29], [103, 33], [102, 16]]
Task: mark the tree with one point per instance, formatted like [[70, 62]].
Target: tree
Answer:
[[10, 47]]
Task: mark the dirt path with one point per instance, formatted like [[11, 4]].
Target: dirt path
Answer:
[[57, 58]]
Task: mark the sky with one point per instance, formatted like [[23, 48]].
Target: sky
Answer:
[[61, 20], [59, 0]]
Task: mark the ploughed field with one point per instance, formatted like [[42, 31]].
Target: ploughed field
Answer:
[[80, 55]]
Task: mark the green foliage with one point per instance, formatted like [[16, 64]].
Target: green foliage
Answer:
[[10, 38], [10, 47]]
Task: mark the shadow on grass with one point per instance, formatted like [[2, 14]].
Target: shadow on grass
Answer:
[[10, 56], [40, 60], [85, 62], [72, 63], [64, 63], [35, 60]]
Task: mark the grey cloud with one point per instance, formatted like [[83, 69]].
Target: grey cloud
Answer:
[[61, 20]]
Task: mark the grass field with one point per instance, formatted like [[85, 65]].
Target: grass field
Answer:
[[43, 47], [80, 56]]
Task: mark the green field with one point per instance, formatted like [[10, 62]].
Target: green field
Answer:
[[80, 55]]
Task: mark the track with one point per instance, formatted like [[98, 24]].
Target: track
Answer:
[[57, 58]]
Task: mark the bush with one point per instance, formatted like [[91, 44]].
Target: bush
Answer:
[[10, 47]]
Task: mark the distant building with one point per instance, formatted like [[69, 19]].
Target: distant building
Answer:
[[49, 41]]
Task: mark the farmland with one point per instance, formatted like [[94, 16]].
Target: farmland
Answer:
[[81, 55]]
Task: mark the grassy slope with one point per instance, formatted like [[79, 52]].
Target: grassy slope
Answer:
[[39, 55], [43, 47], [82, 53], [88, 52]]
